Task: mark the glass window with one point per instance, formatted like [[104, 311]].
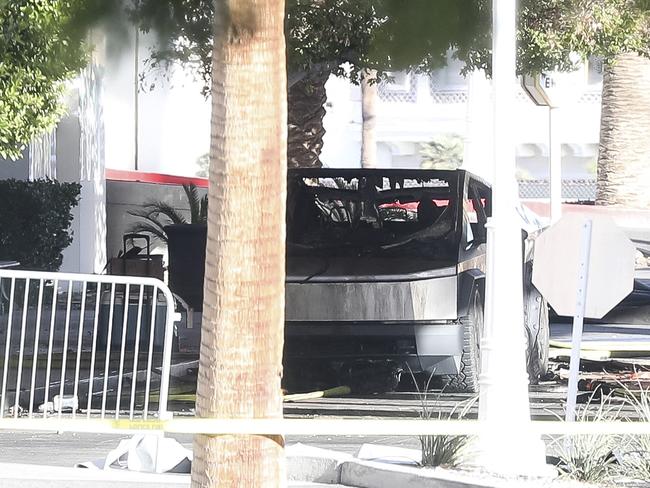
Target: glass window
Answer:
[[372, 215]]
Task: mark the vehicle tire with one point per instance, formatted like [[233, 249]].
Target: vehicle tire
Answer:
[[466, 380], [537, 333]]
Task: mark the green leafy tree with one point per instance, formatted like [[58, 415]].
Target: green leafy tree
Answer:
[[346, 37], [618, 31], [203, 162], [340, 37], [443, 152], [40, 48]]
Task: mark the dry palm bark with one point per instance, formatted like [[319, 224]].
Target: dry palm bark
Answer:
[[306, 100], [369, 118], [243, 314], [624, 155]]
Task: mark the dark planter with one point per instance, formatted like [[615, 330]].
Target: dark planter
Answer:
[[186, 247]]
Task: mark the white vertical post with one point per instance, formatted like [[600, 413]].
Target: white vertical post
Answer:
[[478, 134], [578, 320], [506, 444], [555, 163]]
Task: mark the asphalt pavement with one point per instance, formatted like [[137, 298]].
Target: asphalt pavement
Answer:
[[68, 448], [36, 460]]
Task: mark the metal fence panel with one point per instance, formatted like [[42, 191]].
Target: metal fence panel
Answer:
[[92, 346]]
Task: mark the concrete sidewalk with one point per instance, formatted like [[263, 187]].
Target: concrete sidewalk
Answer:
[[68, 448], [37, 476]]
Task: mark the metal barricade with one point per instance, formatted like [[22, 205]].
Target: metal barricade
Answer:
[[84, 346]]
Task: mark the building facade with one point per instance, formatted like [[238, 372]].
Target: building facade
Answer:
[[117, 122]]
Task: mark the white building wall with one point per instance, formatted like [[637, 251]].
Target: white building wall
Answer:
[[173, 118], [173, 123], [414, 109]]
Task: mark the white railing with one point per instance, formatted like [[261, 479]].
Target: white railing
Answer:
[[76, 346]]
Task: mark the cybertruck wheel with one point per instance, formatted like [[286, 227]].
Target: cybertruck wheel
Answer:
[[536, 329], [466, 380]]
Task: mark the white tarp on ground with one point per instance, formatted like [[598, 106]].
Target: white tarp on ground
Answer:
[[146, 454]]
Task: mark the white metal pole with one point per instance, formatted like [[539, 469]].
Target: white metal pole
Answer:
[[578, 320], [507, 444], [555, 160], [136, 98]]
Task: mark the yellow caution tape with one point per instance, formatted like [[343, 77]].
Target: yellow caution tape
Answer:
[[138, 424]]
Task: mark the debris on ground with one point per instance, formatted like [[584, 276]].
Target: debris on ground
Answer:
[[146, 454]]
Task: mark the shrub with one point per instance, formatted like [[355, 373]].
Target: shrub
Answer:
[[635, 459], [443, 450], [591, 458], [35, 218]]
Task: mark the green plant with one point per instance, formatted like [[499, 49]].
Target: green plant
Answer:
[[443, 152], [39, 50], [35, 218], [203, 162], [154, 216], [635, 461], [442, 450], [635, 458], [590, 457]]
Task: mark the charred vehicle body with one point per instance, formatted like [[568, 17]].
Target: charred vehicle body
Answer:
[[389, 265]]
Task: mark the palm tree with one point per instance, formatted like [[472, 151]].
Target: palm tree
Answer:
[[240, 365], [154, 216], [369, 118], [307, 99], [444, 152], [624, 155]]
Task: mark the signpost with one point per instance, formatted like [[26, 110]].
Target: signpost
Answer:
[[582, 281], [553, 89], [506, 443], [556, 88]]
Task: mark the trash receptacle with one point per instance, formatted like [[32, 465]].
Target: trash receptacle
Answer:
[[186, 248], [132, 320]]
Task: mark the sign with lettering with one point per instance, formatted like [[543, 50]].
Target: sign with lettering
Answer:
[[556, 88]]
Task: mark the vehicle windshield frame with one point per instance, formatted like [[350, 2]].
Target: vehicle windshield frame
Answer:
[[446, 185]]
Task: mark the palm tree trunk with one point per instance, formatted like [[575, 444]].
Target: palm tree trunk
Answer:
[[306, 100], [369, 119], [624, 155], [240, 364]]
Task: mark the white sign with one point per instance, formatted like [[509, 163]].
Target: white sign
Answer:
[[556, 265], [556, 88]]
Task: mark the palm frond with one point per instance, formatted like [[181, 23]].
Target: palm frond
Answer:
[[148, 228], [194, 200], [161, 208], [149, 223], [203, 215], [153, 218]]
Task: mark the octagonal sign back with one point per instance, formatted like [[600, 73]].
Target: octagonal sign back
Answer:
[[557, 260]]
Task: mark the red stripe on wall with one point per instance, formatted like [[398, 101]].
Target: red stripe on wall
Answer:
[[157, 178]]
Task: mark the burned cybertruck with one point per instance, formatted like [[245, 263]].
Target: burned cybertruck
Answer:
[[388, 267]]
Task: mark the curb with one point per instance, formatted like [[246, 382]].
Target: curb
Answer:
[[306, 466], [312, 464], [370, 474], [37, 476]]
